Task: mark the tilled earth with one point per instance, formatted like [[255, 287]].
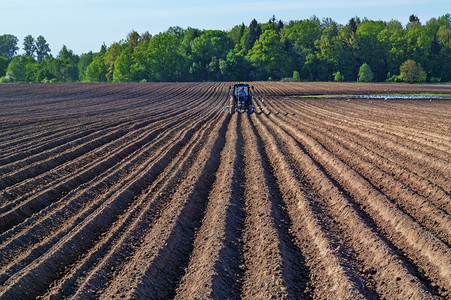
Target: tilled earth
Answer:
[[152, 190]]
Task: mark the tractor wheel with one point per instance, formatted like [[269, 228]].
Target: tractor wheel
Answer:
[[250, 109], [232, 106]]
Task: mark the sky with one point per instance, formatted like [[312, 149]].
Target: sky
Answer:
[[84, 25]]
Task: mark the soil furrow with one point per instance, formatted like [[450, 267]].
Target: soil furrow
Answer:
[[85, 233], [418, 207], [158, 264], [414, 182], [214, 270], [378, 146], [272, 265], [422, 247], [310, 222], [109, 255], [63, 212]]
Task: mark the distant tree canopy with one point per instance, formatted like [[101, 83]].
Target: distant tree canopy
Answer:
[[8, 46], [310, 49]]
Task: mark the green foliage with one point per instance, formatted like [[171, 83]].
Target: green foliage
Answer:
[[42, 48], [29, 46], [268, 56], [365, 73], [412, 72], [83, 63], [236, 33], [122, 70], [19, 68], [8, 46], [304, 33], [133, 39], [4, 62], [339, 77], [66, 66], [97, 70], [296, 76], [7, 79], [253, 34], [164, 58], [310, 49], [111, 56]]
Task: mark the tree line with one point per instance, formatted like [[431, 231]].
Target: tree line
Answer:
[[303, 50]]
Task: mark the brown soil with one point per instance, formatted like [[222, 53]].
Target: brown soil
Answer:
[[152, 190]]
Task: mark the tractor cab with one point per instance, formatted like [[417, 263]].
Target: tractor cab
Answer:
[[241, 90], [241, 99]]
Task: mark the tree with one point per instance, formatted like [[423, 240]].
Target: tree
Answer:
[[83, 63], [4, 62], [370, 49], [67, 65], [339, 77], [164, 57], [207, 50], [237, 67], [140, 67], [111, 55], [146, 36], [17, 68], [296, 76], [413, 21], [29, 46], [236, 33], [268, 56], [303, 34], [254, 33], [365, 73], [42, 48], [97, 70], [412, 72], [280, 25], [8, 46], [133, 39], [123, 64], [352, 25]]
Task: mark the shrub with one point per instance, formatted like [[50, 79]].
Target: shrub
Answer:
[[365, 73], [339, 77], [8, 78], [394, 78], [296, 76], [412, 72]]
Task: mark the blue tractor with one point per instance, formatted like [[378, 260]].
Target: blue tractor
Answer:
[[241, 99]]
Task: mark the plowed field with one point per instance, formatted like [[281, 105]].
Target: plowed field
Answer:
[[152, 190]]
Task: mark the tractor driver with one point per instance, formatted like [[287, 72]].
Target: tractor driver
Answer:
[[242, 91]]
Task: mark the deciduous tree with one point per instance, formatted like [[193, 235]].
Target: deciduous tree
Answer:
[[268, 56], [8, 46], [412, 72], [29, 46], [4, 62], [42, 48], [123, 65]]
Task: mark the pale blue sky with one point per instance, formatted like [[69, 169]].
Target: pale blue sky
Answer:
[[83, 25]]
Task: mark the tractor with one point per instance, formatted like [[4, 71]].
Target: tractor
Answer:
[[241, 99]]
